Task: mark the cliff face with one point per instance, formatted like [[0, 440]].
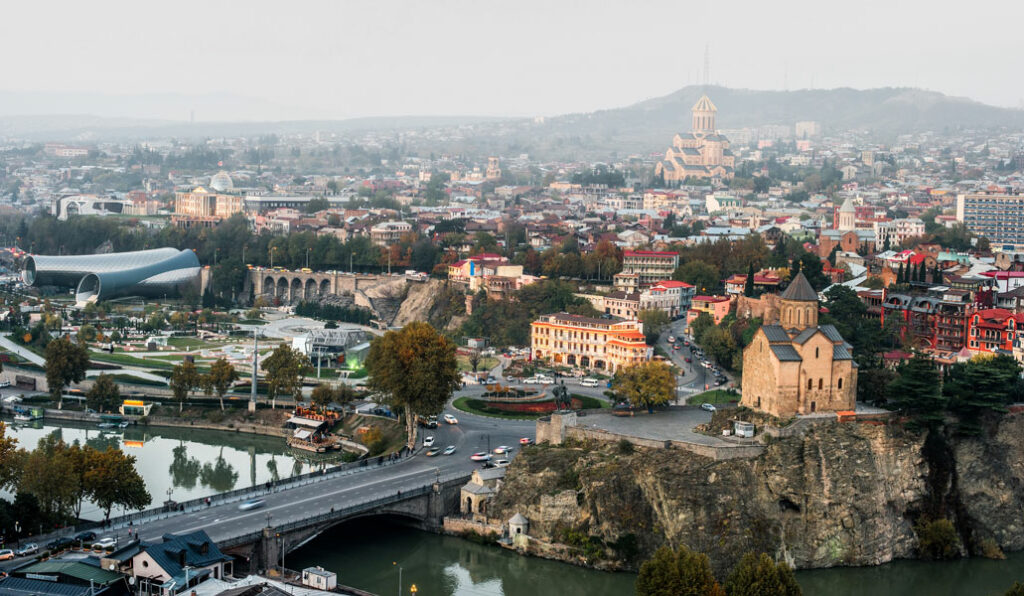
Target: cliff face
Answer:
[[843, 494]]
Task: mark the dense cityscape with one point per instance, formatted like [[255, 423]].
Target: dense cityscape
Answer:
[[720, 342]]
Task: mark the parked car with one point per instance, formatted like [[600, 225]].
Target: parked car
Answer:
[[589, 382], [5, 383], [708, 407], [491, 380], [86, 536], [686, 343], [675, 347], [449, 450], [433, 451], [6, 554], [526, 441], [500, 463], [545, 380], [428, 442], [29, 549], [530, 380], [59, 543], [480, 456], [251, 504], [103, 543], [671, 339]]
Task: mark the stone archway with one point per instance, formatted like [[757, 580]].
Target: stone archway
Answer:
[[268, 285], [296, 289], [282, 288], [325, 287], [585, 361], [570, 360], [311, 289]]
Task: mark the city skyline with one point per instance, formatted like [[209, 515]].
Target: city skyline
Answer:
[[321, 61]]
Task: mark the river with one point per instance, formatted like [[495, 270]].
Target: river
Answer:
[[197, 463], [366, 554], [182, 462]]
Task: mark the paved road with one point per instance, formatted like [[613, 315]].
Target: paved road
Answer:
[[473, 433]]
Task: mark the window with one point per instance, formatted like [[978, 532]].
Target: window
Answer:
[[816, 355], [840, 382], [810, 384], [821, 383]]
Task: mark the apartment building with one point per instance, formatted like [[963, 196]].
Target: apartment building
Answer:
[[597, 344], [389, 232], [998, 217], [994, 330], [649, 266]]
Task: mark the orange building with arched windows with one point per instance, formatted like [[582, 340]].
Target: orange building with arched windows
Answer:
[[603, 344]]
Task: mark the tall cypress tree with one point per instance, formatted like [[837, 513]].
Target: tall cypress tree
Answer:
[[748, 289], [901, 276]]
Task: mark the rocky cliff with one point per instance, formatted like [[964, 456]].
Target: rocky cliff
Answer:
[[842, 494]]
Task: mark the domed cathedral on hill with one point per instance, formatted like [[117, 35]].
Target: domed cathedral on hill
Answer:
[[700, 153], [796, 366]]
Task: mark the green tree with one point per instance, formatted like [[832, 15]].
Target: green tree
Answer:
[[719, 344], [759, 575], [916, 392], [649, 384], [703, 276], [982, 384], [184, 378], [10, 459], [322, 396], [1017, 589], [655, 321], [700, 326], [65, 364], [104, 394], [677, 573], [87, 332], [284, 369], [222, 374], [113, 480], [48, 474], [416, 369], [748, 287]]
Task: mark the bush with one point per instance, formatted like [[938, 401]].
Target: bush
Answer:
[[625, 447], [937, 539]]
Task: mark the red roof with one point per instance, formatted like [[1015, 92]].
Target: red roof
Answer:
[[671, 283], [711, 298], [650, 253]]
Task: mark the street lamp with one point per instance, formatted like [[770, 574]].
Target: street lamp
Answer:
[[308, 250], [272, 249], [395, 563], [413, 590]]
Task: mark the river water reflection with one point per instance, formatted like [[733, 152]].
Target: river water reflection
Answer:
[[188, 463], [362, 553]]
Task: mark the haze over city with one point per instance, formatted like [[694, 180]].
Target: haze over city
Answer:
[[329, 60]]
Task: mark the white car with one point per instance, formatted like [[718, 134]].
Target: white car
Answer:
[[708, 407], [531, 380], [501, 463], [103, 543], [451, 419], [251, 504], [480, 456], [545, 380], [449, 450], [502, 449], [5, 383], [428, 442], [671, 339]]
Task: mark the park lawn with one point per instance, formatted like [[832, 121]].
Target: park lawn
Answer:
[[714, 396], [463, 404], [486, 363], [125, 359], [188, 343]]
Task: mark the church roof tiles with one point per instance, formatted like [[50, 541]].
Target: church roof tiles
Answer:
[[786, 353], [775, 333], [800, 289]]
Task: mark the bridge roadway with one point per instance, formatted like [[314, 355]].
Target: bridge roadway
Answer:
[[224, 521]]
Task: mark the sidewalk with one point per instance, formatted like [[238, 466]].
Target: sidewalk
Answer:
[[24, 352]]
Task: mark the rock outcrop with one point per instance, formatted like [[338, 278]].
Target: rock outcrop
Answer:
[[842, 494]]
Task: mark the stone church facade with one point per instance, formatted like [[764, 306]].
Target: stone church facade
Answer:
[[796, 366], [700, 153]]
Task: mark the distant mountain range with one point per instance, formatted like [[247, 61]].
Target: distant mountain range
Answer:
[[645, 127]]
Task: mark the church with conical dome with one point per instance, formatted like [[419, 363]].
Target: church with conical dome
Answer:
[[795, 366], [701, 153]]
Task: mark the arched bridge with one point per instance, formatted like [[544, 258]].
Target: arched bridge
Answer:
[[293, 286]]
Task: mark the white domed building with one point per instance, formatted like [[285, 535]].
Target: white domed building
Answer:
[[221, 182]]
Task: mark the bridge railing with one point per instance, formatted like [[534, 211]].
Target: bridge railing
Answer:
[[349, 510], [241, 494]]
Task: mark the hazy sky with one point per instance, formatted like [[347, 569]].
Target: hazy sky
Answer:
[[390, 57]]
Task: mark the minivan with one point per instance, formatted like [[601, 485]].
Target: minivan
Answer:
[[589, 382]]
